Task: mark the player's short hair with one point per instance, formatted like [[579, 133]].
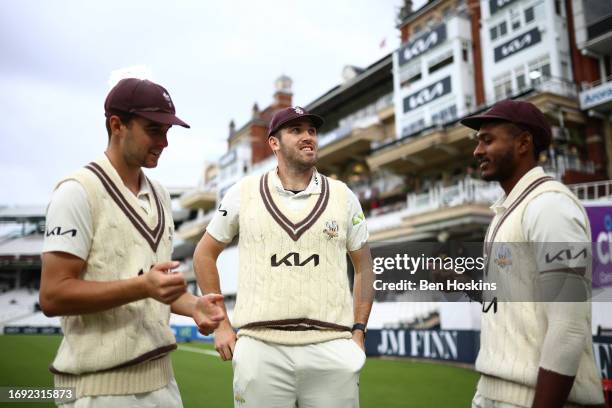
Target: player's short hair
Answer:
[[516, 129], [124, 117]]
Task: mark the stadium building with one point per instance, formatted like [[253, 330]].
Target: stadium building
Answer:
[[392, 133]]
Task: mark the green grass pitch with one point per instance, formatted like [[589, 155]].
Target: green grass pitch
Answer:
[[206, 381]]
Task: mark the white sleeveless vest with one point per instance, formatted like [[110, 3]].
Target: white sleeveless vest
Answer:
[[293, 286], [511, 339], [122, 350]]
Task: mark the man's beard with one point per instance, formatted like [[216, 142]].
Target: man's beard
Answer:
[[504, 168], [293, 160]]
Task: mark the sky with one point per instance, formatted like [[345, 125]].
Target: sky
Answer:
[[215, 58]]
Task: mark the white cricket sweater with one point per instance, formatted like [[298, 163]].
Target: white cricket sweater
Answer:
[[293, 286], [123, 350]]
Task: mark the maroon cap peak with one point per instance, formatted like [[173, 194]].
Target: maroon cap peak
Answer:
[[521, 113], [143, 98], [286, 115]]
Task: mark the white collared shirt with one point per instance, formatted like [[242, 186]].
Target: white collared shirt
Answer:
[[69, 209], [224, 228]]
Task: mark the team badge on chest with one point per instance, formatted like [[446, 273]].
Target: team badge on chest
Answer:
[[503, 257], [331, 229]]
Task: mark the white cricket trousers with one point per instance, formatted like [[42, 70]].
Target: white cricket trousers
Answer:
[[167, 397], [322, 375]]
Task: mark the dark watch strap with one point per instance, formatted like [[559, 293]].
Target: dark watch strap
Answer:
[[359, 326]]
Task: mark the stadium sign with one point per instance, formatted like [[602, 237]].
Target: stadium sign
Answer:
[[427, 94], [422, 44], [448, 345], [602, 350], [227, 159], [496, 5], [600, 218], [32, 330], [596, 96], [517, 44]]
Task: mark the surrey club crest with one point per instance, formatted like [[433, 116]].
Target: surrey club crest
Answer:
[[503, 256], [298, 110], [331, 229]]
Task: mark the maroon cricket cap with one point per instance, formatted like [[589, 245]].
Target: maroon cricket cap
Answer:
[[286, 115], [143, 98], [521, 113]]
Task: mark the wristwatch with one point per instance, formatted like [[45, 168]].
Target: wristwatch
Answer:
[[360, 326]]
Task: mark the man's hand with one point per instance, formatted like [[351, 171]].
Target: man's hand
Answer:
[[163, 286], [208, 313], [359, 338], [225, 341]]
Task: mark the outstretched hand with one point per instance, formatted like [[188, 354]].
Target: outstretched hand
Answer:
[[208, 312]]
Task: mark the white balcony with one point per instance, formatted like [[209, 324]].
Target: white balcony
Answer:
[[466, 191], [559, 165], [199, 199]]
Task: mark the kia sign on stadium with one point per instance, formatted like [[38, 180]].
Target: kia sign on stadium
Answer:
[[427, 94], [422, 44], [517, 44]]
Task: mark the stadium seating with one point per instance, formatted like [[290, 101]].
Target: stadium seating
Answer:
[[16, 304]]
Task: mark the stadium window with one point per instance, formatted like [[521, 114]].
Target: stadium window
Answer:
[[502, 86], [440, 62], [503, 28], [539, 69], [515, 20], [411, 80], [416, 29], [468, 102], [565, 70], [521, 79], [411, 73], [529, 15], [465, 51], [493, 33], [558, 8]]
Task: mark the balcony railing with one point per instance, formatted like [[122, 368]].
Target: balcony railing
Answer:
[[598, 190], [466, 191], [559, 165], [361, 119], [590, 85], [558, 86]]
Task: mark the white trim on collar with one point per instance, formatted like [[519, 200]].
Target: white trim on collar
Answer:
[[314, 187]]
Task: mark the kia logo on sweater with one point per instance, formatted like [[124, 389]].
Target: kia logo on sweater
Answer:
[[293, 259], [422, 44], [428, 94], [517, 44]]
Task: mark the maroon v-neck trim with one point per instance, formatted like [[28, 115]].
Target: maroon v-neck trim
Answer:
[[295, 231]]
